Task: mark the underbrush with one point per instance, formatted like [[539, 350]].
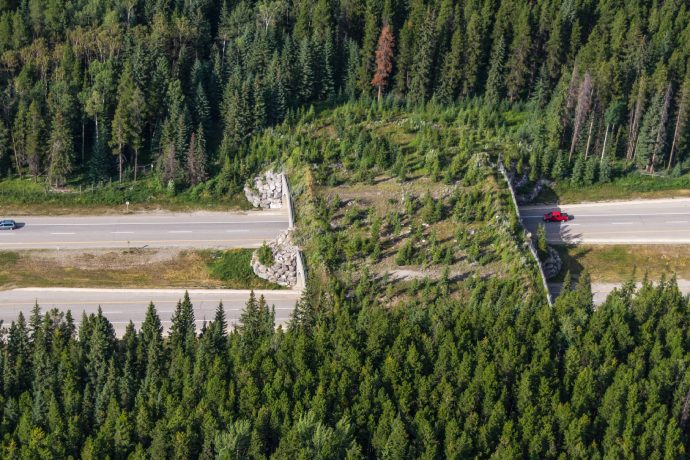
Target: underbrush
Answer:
[[233, 267]]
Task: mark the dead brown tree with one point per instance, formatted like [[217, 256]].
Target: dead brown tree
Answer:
[[584, 101], [384, 60], [635, 116]]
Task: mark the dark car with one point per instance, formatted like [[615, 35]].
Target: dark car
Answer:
[[556, 216], [7, 224]]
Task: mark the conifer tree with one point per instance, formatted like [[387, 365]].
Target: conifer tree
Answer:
[[60, 151], [421, 73], [494, 82]]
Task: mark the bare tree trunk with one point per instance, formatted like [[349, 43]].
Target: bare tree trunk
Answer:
[[673, 144], [589, 137], [82, 141], [119, 158], [16, 157], [635, 121], [603, 149], [680, 122], [661, 129]]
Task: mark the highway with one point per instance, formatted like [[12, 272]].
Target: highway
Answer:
[[662, 221], [179, 230], [122, 305]]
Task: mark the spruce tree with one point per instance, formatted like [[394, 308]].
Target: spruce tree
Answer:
[[495, 80], [60, 151], [421, 74]]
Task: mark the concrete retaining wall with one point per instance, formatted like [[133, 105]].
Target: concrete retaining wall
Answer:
[[532, 248], [287, 202]]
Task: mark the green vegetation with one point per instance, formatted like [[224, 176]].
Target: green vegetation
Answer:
[[359, 220], [175, 91], [25, 196], [265, 255], [623, 262], [632, 186], [147, 268], [424, 332], [233, 268], [495, 373]]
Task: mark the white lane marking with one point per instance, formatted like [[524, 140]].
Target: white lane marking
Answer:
[[63, 233], [621, 223], [160, 223], [570, 225], [179, 231], [121, 233], [238, 231], [605, 215], [677, 222]]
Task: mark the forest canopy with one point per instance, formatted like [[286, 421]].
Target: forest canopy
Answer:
[[201, 94], [495, 374], [98, 89]]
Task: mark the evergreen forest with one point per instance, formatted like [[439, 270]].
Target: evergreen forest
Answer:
[[390, 117], [98, 90]]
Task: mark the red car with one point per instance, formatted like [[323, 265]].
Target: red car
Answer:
[[556, 216]]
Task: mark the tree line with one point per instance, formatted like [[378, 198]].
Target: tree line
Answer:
[[496, 372], [92, 89]]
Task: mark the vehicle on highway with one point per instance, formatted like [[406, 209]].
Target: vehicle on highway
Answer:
[[7, 224], [556, 216]]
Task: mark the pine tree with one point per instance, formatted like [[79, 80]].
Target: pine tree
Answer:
[[35, 145], [421, 74], [368, 47], [306, 66], [451, 75], [183, 328], [351, 71], [196, 158], [494, 82], [327, 79], [518, 65], [60, 151]]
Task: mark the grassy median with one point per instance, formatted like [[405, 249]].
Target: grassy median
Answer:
[[152, 268], [618, 263]]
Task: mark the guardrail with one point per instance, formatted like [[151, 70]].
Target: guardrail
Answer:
[[532, 248], [287, 201]]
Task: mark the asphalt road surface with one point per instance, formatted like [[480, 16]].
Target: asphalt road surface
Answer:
[[664, 221], [122, 305], [188, 230]]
